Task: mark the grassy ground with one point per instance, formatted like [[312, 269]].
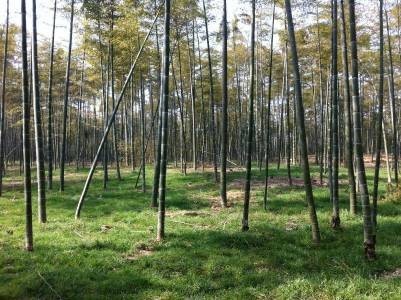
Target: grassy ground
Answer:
[[111, 253]]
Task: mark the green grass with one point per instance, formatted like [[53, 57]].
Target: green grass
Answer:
[[204, 255]]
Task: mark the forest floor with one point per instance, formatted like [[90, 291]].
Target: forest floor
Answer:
[[111, 252]]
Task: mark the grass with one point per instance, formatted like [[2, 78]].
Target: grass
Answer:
[[111, 252]]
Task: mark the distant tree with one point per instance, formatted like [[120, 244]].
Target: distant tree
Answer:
[[211, 92], [393, 106], [65, 104], [110, 122], [143, 133], [50, 152], [3, 96]]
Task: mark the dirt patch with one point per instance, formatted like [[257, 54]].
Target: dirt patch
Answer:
[[371, 161], [232, 197], [240, 184], [193, 225], [210, 169], [189, 213], [291, 225], [139, 254], [140, 251], [235, 189], [273, 182], [15, 184], [105, 228], [215, 204], [393, 194], [235, 196], [18, 184], [392, 274]]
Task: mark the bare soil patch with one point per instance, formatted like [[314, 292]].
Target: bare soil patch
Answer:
[[235, 189], [291, 225], [392, 274], [18, 183], [209, 168], [215, 204], [188, 213], [140, 251], [274, 182], [233, 197], [105, 228]]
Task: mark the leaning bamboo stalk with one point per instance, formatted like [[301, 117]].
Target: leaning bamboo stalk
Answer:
[[110, 123]]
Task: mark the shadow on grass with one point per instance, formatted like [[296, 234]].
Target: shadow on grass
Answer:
[[202, 263], [80, 261], [121, 196]]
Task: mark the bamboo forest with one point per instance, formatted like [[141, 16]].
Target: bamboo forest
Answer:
[[200, 149]]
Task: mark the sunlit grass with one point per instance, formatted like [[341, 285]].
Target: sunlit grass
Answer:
[[111, 252]]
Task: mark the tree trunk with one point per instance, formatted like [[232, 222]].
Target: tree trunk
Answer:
[[143, 129], [369, 243], [335, 219], [288, 123], [245, 222], [165, 84], [202, 105], [79, 119], [392, 107], [106, 119], [40, 163], [65, 107], [182, 107], [322, 119], [301, 126], [3, 100], [109, 124], [379, 122], [349, 162], [113, 100], [191, 61], [26, 134], [212, 103], [156, 173], [386, 153], [269, 99], [224, 115]]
